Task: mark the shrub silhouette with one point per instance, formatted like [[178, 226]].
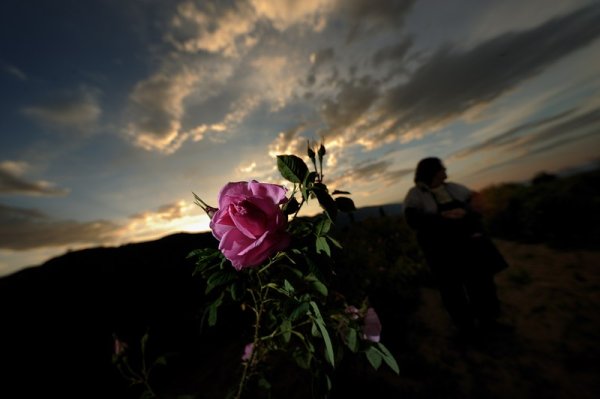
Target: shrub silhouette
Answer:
[[560, 211]]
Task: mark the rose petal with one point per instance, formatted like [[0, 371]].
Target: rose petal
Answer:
[[372, 326], [248, 218], [267, 190], [233, 192]]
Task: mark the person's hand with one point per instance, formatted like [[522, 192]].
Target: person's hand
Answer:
[[456, 213]]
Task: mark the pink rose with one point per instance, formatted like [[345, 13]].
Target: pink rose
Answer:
[[249, 223], [372, 326]]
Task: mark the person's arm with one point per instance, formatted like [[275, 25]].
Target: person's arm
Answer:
[[419, 220]]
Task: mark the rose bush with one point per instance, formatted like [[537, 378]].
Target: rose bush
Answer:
[[282, 272], [249, 223]]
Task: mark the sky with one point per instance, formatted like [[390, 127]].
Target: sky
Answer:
[[112, 112]]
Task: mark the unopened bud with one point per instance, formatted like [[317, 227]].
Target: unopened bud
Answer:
[[311, 152]]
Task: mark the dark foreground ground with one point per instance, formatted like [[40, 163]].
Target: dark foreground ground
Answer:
[[57, 328], [551, 298]]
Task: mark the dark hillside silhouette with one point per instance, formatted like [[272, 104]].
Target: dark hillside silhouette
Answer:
[[58, 319]]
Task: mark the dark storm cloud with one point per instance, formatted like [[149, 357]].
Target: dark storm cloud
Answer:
[[319, 58], [510, 135], [454, 81], [23, 229], [351, 102], [12, 183], [372, 171], [77, 109], [394, 53], [373, 15], [569, 127], [552, 137]]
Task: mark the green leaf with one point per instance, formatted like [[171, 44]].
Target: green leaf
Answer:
[[345, 204], [352, 340], [303, 359], [325, 200], [236, 290], [144, 342], [334, 242], [286, 330], [264, 383], [291, 206], [324, 334], [288, 287], [388, 358], [322, 246], [220, 277], [299, 311], [374, 357], [320, 287], [278, 289], [310, 178], [212, 310], [292, 168], [207, 259], [323, 227]]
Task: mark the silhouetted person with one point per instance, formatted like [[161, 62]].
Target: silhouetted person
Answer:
[[450, 233]]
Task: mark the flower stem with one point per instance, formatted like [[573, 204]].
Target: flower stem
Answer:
[[259, 304]]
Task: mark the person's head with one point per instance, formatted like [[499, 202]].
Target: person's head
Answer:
[[430, 171]]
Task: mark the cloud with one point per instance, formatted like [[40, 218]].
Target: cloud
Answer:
[[176, 216], [289, 141], [250, 41], [12, 182], [14, 71], [510, 135], [317, 59], [570, 127], [157, 109], [211, 28], [453, 82], [395, 53], [374, 15], [549, 138], [71, 109], [24, 229], [230, 28], [273, 79], [352, 101], [285, 13], [371, 171], [166, 212]]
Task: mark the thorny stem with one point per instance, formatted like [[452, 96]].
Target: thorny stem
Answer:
[[258, 308], [298, 210]]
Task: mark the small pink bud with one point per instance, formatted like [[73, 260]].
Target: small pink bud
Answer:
[[248, 352], [352, 311], [120, 346], [210, 211]]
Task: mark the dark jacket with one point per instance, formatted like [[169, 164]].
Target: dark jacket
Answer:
[[451, 246]]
